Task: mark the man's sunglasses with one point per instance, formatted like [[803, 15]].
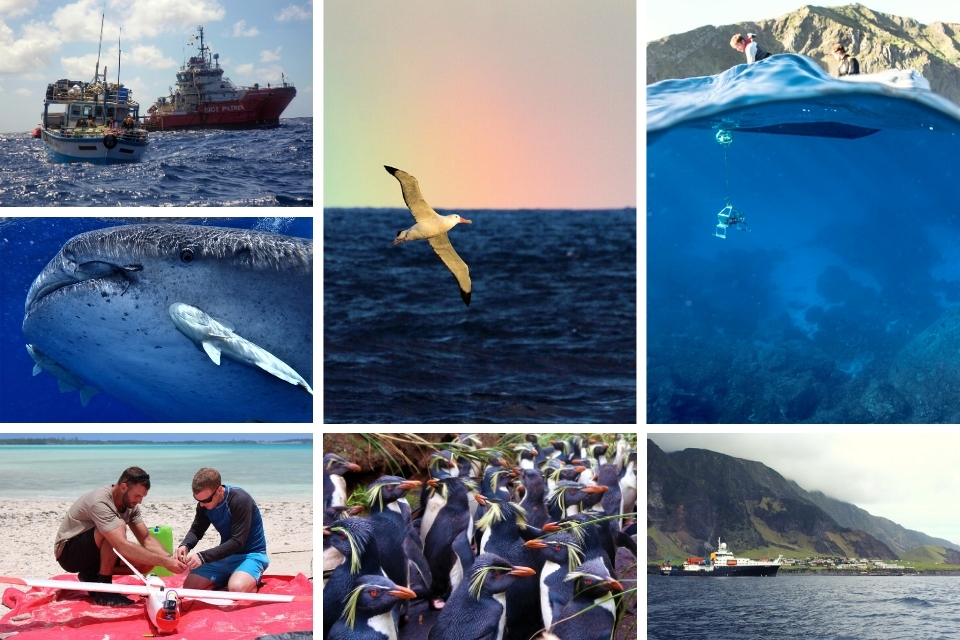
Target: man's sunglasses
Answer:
[[207, 501]]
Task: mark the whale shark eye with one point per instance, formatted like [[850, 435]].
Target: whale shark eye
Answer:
[[186, 255]]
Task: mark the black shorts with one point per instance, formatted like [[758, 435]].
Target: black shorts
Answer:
[[81, 553]]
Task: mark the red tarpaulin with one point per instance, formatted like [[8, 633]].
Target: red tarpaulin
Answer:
[[41, 614]]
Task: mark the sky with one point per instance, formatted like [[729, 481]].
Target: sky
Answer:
[[680, 16], [912, 479], [163, 437], [46, 40], [492, 104]]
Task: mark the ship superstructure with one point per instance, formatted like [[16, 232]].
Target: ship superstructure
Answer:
[[723, 563]]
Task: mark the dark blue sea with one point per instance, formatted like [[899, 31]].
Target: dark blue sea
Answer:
[[26, 246], [841, 303], [807, 607], [249, 168], [549, 336]]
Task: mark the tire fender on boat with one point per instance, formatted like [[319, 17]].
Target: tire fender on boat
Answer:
[[110, 141]]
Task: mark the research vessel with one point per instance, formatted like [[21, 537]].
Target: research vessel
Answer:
[[205, 99], [722, 563]]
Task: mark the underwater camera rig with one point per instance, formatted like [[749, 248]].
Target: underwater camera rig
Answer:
[[730, 218]]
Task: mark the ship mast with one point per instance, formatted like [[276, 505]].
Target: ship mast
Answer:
[[99, 48]]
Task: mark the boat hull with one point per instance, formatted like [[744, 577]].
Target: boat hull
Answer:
[[257, 108], [61, 148], [728, 571]]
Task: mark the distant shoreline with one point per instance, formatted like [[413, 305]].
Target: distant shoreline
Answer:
[[77, 441]]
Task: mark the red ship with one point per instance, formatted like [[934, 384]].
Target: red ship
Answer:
[[204, 99]]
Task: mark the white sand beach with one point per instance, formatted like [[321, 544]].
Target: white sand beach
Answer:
[[29, 528]]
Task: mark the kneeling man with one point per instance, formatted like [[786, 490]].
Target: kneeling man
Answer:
[[97, 523], [240, 559]]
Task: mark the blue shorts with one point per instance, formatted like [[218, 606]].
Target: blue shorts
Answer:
[[219, 572]]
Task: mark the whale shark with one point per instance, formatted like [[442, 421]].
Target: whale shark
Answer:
[[100, 309]]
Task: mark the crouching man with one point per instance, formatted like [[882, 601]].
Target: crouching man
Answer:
[[97, 523], [240, 559]]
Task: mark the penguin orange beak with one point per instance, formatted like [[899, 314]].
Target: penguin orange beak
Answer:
[[433, 483], [522, 572], [353, 467], [481, 500], [597, 488], [409, 484], [580, 469], [552, 527], [326, 531], [403, 592], [535, 544], [613, 585], [355, 510]]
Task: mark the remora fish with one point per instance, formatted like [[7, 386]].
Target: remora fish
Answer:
[[217, 336], [99, 309], [66, 381]]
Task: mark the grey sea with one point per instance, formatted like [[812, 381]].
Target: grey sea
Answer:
[[270, 472], [808, 607]]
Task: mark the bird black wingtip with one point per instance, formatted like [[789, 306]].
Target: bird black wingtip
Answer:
[[391, 170], [466, 296]]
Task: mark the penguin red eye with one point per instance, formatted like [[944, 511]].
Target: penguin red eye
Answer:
[[374, 593], [589, 581], [558, 547], [496, 575], [343, 537], [570, 491]]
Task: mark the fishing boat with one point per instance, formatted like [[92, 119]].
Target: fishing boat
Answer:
[[205, 99], [74, 123], [722, 563]]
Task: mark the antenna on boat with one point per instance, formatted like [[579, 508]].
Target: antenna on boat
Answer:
[[100, 46], [118, 59]]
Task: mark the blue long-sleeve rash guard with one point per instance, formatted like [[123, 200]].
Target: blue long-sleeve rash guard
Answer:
[[238, 521]]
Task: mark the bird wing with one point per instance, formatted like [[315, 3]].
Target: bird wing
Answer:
[[444, 250], [411, 195]]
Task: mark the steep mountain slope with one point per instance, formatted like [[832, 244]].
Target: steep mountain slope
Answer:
[[879, 41], [898, 538], [695, 496]]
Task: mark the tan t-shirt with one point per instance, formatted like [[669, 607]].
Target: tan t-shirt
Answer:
[[93, 509]]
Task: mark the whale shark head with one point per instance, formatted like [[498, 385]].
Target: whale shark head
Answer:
[[100, 308]]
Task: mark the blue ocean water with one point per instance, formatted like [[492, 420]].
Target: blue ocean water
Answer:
[[254, 167], [268, 471], [549, 336], [842, 301], [26, 246], [809, 607]]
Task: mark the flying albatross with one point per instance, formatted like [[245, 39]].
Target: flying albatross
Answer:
[[433, 227]]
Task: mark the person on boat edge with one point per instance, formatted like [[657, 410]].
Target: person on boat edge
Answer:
[[128, 123], [750, 47], [848, 64], [111, 123], [97, 523], [240, 559]]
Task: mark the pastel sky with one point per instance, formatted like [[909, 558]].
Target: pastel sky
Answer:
[[45, 40], [679, 16], [489, 104], [910, 478]]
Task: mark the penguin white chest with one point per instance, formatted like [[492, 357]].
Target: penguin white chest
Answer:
[[548, 568], [434, 504], [384, 624], [502, 599], [339, 490]]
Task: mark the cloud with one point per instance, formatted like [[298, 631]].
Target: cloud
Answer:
[[23, 92], [296, 12], [238, 31], [80, 67], [16, 7], [150, 57], [243, 69], [270, 56], [140, 19], [31, 52]]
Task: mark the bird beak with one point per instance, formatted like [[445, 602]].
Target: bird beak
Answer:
[[614, 585], [355, 510], [552, 527], [403, 592], [326, 531], [465, 221], [535, 544], [433, 483], [522, 572], [598, 488], [580, 469], [409, 484], [353, 467], [480, 500]]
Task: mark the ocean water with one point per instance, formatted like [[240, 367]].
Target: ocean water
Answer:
[[248, 168], [26, 246], [842, 301], [276, 472], [549, 336], [809, 607]]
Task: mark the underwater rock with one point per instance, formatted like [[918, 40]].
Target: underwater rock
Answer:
[[925, 371]]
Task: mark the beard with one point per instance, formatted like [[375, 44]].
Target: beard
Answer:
[[127, 504]]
